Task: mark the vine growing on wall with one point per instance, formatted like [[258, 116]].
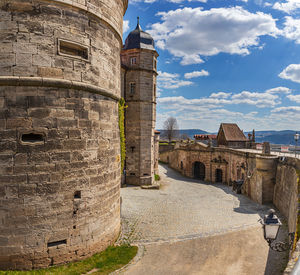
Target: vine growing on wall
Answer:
[[122, 108], [298, 217]]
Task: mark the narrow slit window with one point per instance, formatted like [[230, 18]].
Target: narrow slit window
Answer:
[[132, 174], [132, 88], [73, 49], [51, 244], [32, 138]]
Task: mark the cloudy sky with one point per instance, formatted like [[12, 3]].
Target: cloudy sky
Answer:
[[225, 61]]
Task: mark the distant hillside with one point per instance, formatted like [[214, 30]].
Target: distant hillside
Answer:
[[275, 137]]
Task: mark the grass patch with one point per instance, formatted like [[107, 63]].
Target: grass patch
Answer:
[[156, 177], [113, 258]]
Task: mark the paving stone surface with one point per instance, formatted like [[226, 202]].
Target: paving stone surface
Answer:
[[184, 209]]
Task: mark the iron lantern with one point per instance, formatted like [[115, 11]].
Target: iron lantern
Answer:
[[271, 225]]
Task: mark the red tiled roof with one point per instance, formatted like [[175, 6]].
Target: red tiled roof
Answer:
[[205, 137], [232, 132]]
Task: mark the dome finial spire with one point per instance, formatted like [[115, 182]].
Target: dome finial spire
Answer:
[[138, 27]]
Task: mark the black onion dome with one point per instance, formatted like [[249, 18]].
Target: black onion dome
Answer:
[[138, 39]]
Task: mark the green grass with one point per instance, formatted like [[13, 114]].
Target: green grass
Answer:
[[113, 258], [156, 177]]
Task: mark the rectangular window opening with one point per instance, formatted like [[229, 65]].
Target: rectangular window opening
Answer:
[[132, 174], [51, 244], [133, 60], [32, 137], [77, 195], [72, 49]]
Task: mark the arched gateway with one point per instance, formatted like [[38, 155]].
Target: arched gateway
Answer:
[[219, 175], [199, 170]]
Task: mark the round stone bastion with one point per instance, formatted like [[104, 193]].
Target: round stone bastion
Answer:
[[59, 134]]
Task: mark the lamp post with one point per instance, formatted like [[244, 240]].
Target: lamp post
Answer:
[[271, 224], [296, 138]]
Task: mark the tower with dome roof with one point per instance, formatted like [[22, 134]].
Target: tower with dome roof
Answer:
[[139, 72]]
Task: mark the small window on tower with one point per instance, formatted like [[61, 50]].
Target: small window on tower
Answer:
[[72, 49], [154, 90], [133, 60], [154, 63], [132, 88]]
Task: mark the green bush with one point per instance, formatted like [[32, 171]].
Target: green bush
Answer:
[[156, 177]]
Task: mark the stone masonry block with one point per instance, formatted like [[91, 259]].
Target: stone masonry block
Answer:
[[41, 60], [25, 48], [50, 72]]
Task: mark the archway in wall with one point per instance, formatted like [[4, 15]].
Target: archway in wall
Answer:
[[199, 170], [219, 175]]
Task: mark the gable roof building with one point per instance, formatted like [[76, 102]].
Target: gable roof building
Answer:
[[230, 135]]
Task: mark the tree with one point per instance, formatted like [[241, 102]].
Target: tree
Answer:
[[170, 128]]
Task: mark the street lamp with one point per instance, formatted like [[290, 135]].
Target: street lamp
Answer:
[[296, 138], [271, 224]]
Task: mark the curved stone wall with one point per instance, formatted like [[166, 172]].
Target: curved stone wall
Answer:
[[59, 136]]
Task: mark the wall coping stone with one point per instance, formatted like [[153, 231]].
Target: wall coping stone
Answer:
[[52, 82]]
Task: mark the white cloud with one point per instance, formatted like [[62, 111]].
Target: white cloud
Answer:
[[171, 1], [217, 100], [279, 90], [190, 33], [290, 110], [295, 98], [288, 6], [291, 72], [180, 1], [260, 100], [196, 74], [220, 95], [291, 29], [125, 26], [171, 81]]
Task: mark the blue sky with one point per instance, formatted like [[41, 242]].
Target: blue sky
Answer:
[[224, 61]]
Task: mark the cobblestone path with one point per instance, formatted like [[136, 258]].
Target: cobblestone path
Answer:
[[191, 227], [184, 209]]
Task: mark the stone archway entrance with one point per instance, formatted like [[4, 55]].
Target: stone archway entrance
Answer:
[[199, 170], [219, 175]]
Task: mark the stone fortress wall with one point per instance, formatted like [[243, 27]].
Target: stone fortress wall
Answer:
[[59, 135], [267, 178]]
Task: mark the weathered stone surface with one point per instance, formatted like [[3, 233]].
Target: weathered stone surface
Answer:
[[51, 211]]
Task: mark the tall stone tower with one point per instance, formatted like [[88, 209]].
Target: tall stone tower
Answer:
[[139, 60], [59, 136]]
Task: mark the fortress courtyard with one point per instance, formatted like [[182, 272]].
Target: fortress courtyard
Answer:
[[193, 227]]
